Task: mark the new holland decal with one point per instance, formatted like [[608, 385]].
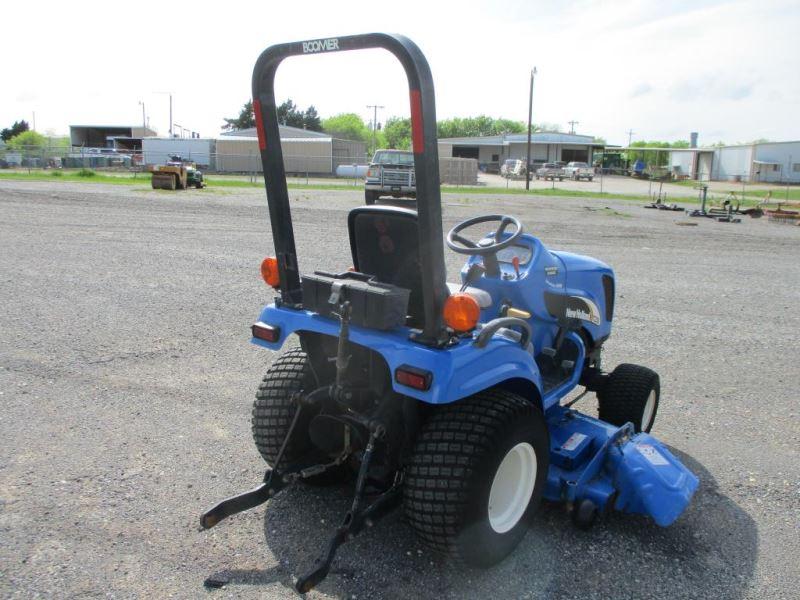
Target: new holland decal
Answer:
[[572, 307]]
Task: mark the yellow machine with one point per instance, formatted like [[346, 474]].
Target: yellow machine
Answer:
[[176, 174]]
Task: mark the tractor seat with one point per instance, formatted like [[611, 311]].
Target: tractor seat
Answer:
[[384, 241]]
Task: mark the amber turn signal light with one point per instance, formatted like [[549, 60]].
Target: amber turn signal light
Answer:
[[461, 312], [269, 271]]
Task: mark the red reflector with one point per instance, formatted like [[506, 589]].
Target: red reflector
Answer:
[[417, 137], [262, 135], [413, 377], [265, 332]]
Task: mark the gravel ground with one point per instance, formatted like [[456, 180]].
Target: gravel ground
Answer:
[[127, 378]]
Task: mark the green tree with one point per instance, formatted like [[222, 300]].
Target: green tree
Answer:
[[17, 128], [245, 119], [397, 131], [27, 140], [288, 114], [654, 157], [311, 120], [477, 126], [348, 126]]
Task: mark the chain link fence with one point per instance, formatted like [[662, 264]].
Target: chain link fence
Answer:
[[309, 164]]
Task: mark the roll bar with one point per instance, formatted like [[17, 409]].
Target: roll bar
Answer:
[[426, 164]]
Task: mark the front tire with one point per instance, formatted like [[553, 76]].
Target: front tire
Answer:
[[476, 475], [631, 395]]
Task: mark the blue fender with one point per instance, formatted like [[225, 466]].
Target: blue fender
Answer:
[[458, 371]]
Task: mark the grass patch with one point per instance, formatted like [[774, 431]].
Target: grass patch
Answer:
[[751, 197]]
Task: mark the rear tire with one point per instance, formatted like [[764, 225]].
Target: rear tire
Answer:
[[476, 475], [370, 198], [273, 411], [631, 395]]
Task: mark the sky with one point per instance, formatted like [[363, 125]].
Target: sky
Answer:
[[728, 70]]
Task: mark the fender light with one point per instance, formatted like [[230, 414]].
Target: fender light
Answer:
[[461, 312], [269, 271], [265, 332], [419, 379]]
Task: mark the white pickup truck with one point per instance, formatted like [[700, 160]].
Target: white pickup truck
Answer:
[[579, 170]]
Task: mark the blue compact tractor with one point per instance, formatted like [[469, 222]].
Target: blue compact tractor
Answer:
[[449, 399]]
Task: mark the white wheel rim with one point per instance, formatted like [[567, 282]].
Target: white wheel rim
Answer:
[[512, 487], [649, 409]]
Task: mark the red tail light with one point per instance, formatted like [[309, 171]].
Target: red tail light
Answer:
[[265, 332], [419, 379]]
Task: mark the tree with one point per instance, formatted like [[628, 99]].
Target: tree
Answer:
[[27, 140], [398, 133], [17, 128], [311, 120], [348, 126], [245, 119], [654, 157], [477, 126], [289, 115]]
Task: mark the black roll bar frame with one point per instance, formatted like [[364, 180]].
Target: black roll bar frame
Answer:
[[426, 164]]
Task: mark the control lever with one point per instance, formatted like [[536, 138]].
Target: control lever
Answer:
[[515, 263], [475, 271]]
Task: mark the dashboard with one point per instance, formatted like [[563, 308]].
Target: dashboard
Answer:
[[524, 253]]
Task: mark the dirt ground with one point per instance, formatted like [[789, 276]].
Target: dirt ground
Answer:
[[126, 381]]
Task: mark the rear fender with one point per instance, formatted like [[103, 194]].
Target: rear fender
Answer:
[[458, 371]]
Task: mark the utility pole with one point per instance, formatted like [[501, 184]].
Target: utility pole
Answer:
[[144, 119], [572, 126], [34, 120], [170, 110], [375, 108], [630, 136], [530, 124]]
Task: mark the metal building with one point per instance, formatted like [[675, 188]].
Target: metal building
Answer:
[[492, 150], [119, 137], [767, 162], [158, 151], [304, 151]]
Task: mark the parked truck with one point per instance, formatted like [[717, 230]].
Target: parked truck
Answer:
[[579, 170], [390, 173]]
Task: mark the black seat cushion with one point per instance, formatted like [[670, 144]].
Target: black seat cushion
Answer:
[[384, 241]]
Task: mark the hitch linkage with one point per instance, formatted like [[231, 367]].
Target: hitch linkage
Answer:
[[356, 518]]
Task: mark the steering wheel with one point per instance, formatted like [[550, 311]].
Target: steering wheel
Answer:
[[485, 247]]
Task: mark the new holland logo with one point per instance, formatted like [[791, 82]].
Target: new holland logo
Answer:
[[577, 313], [321, 45]]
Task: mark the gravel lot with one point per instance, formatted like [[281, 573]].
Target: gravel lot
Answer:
[[127, 378]]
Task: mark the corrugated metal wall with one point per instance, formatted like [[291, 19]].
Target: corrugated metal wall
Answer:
[[786, 154], [347, 152], [241, 155]]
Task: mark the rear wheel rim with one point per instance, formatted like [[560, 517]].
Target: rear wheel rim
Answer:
[[649, 410], [512, 487]]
